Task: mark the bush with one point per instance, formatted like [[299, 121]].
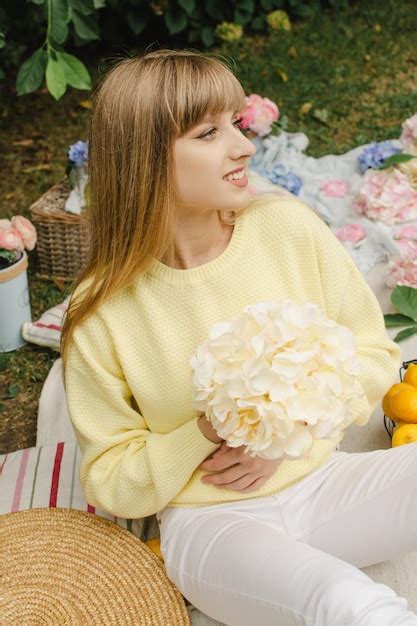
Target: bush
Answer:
[[51, 24]]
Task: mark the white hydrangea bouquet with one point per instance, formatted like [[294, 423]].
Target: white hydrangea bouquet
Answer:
[[276, 378]]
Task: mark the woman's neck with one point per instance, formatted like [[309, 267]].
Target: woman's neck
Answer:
[[197, 245]]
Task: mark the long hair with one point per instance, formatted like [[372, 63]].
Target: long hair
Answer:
[[140, 107]]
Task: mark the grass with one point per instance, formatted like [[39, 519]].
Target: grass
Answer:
[[355, 73]]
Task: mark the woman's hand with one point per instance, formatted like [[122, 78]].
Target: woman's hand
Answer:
[[240, 471], [207, 429]]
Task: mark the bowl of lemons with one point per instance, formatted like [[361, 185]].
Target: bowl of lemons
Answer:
[[400, 406]]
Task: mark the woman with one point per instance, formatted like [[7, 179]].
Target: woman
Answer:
[[178, 244]]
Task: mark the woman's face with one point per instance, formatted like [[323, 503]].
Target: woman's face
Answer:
[[204, 157]]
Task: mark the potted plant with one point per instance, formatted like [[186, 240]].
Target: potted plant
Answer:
[[16, 236]]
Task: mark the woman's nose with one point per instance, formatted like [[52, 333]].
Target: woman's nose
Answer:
[[243, 147]]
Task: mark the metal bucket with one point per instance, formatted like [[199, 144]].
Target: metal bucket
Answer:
[[14, 304]]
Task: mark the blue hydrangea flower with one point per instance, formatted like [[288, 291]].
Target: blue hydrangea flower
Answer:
[[374, 155], [288, 180], [78, 153]]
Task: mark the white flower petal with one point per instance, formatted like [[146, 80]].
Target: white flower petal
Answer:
[[277, 377], [299, 442]]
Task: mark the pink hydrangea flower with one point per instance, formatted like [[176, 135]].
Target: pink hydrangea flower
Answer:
[[335, 188], [5, 224], [408, 247], [401, 271], [386, 195], [10, 239], [409, 135], [406, 232], [259, 114], [26, 230], [351, 232]]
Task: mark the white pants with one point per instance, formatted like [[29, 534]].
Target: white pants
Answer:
[[293, 558]]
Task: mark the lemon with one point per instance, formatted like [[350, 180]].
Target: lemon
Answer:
[[155, 546], [404, 433], [391, 393], [410, 375], [404, 405]]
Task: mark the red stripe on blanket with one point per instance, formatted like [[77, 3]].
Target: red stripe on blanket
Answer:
[[55, 474], [20, 479], [50, 326], [91, 509]]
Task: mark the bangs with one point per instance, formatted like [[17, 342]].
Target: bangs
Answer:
[[202, 87]]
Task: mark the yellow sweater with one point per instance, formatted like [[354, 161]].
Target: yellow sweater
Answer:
[[129, 387]]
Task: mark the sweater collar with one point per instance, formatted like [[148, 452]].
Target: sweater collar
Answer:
[[211, 269]]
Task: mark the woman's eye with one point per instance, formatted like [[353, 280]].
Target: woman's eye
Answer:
[[209, 133], [237, 123]]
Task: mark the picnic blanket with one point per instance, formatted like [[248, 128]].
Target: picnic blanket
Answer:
[[330, 185]]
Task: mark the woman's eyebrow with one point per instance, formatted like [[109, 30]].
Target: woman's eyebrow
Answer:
[[210, 118]]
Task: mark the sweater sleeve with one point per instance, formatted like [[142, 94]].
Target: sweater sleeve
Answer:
[[125, 469], [352, 303]]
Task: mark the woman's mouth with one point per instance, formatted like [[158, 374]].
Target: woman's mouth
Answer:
[[239, 179]]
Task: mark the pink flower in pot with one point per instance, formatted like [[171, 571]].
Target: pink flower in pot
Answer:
[[15, 235], [10, 239], [26, 230]]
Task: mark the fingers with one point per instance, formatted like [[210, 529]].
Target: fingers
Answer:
[[256, 484], [223, 448], [225, 460], [228, 457], [231, 479]]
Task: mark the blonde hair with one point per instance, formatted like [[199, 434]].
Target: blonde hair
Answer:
[[143, 104]]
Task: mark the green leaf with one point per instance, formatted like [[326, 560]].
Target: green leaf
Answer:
[[187, 5], [38, 1], [395, 319], [407, 332], [175, 19], [258, 23], [14, 390], [322, 115], [137, 20], [3, 361], [405, 300], [283, 122], [31, 73], [85, 26], [85, 7], [207, 36], [59, 19], [75, 72], [2, 40], [243, 11], [197, 15], [2, 73], [401, 157], [9, 255], [215, 9], [99, 4], [55, 78]]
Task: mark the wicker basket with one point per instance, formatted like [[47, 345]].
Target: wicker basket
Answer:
[[62, 244]]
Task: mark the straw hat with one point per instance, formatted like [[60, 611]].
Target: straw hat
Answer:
[[62, 566]]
